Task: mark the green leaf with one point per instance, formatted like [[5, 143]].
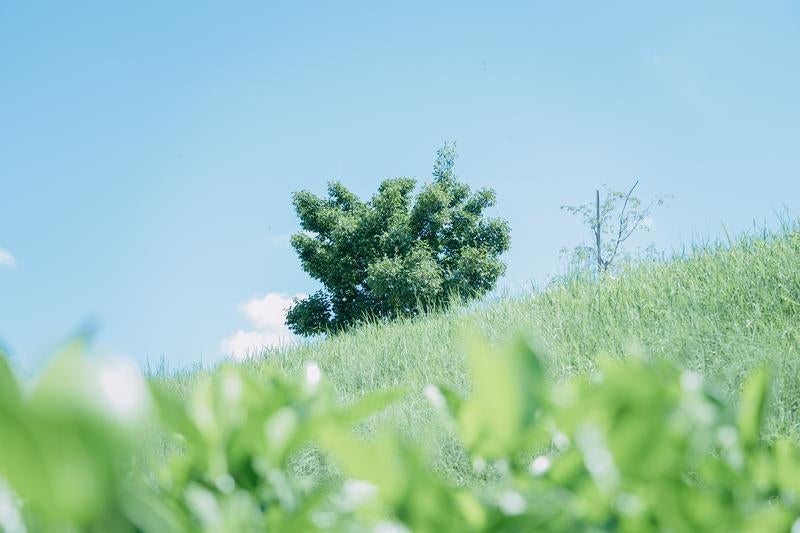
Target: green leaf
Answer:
[[174, 416], [9, 388], [753, 404], [453, 402], [152, 514], [530, 370], [379, 461], [490, 418], [371, 404]]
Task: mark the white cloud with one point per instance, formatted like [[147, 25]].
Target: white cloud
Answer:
[[268, 312], [267, 316], [6, 259]]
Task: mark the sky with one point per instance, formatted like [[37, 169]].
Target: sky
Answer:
[[148, 150]]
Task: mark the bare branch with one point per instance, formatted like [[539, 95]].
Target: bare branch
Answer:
[[620, 229]]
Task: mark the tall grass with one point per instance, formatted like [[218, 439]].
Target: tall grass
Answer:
[[721, 310]]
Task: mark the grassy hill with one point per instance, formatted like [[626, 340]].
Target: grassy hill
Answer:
[[639, 446], [720, 311]]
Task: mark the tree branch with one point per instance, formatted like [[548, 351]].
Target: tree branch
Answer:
[[620, 230]]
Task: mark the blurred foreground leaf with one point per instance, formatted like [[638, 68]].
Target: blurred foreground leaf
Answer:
[[638, 445]]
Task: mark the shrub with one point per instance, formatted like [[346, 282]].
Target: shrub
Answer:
[[638, 446], [396, 254]]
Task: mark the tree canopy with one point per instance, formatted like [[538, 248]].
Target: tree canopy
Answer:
[[398, 253]]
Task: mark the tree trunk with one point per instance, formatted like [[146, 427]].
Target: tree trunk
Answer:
[[597, 234]]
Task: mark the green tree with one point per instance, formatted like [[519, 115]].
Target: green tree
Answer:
[[396, 254]]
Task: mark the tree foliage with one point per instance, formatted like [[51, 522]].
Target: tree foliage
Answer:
[[396, 254]]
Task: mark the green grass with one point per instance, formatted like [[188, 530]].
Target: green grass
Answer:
[[721, 311]]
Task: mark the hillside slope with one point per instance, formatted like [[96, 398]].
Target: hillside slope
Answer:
[[721, 311]]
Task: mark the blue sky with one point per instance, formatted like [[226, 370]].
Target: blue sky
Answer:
[[148, 150]]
